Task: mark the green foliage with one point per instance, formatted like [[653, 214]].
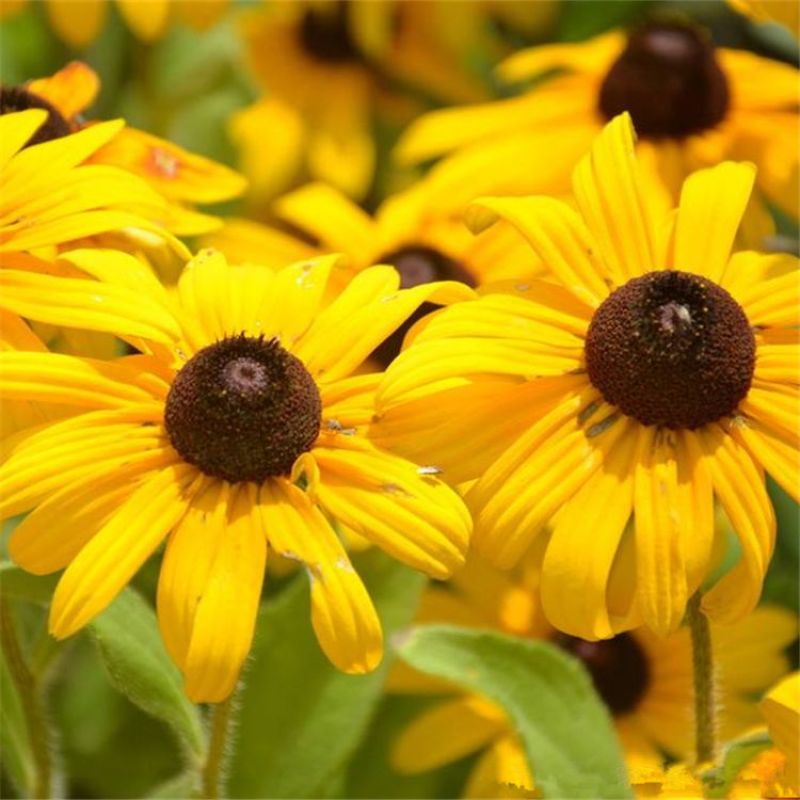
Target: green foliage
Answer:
[[15, 753], [548, 696], [15, 582], [301, 719], [129, 641]]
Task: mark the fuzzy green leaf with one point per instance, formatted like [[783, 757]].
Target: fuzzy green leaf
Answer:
[[548, 696], [301, 719], [129, 642]]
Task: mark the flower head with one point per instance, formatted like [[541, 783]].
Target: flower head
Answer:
[[237, 426], [655, 375]]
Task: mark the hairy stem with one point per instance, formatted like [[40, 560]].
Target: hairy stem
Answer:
[[27, 688], [705, 722], [217, 749]]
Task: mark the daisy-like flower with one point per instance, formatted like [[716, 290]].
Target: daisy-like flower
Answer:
[[407, 232], [182, 178], [605, 415], [237, 427], [645, 682], [693, 105], [328, 69], [79, 22], [49, 194]]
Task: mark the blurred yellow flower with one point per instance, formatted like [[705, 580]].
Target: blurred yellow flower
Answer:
[[787, 12], [645, 681], [182, 178], [236, 425], [692, 104], [605, 412], [79, 22], [781, 709]]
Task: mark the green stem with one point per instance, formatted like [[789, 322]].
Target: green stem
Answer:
[[31, 705], [217, 749], [705, 722]]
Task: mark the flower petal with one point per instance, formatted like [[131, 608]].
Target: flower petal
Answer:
[[72, 89], [119, 548], [447, 732], [712, 204], [344, 619], [580, 555], [739, 487], [610, 193], [776, 451], [412, 516], [223, 614]]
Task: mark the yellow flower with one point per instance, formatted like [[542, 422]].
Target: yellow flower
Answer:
[[79, 22], [182, 178], [781, 709], [49, 194], [693, 105], [237, 425], [327, 70], [407, 232], [645, 681], [606, 414]]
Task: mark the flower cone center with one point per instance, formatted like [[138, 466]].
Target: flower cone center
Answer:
[[243, 409], [669, 80], [672, 349]]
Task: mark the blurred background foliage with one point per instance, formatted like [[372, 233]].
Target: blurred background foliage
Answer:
[[305, 730]]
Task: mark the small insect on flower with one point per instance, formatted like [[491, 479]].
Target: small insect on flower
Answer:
[[213, 437], [610, 407]]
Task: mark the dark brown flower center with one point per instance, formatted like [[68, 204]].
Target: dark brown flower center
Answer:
[[618, 667], [16, 98], [671, 348], [669, 80], [417, 264], [325, 33], [243, 409]]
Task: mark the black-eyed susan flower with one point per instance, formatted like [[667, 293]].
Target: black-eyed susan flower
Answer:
[[237, 426], [407, 232], [79, 22], [693, 105], [49, 194], [644, 680], [184, 179], [606, 412]]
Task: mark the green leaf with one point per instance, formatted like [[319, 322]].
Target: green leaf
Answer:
[[549, 698], [719, 780], [17, 759], [15, 582], [129, 642], [301, 719]]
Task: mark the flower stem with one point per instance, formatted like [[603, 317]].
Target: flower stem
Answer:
[[217, 749], [25, 684], [704, 681]]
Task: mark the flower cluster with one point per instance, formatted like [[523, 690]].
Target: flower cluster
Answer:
[[542, 340]]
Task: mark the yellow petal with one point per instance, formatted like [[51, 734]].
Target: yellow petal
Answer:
[[447, 732], [78, 448], [120, 547], [56, 530], [712, 204], [369, 309], [331, 217], [767, 287], [781, 708], [147, 20], [86, 304], [344, 619], [223, 603], [739, 487], [77, 22], [774, 450], [557, 235], [610, 193], [412, 516], [68, 380], [16, 129], [579, 557], [502, 771], [71, 90]]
